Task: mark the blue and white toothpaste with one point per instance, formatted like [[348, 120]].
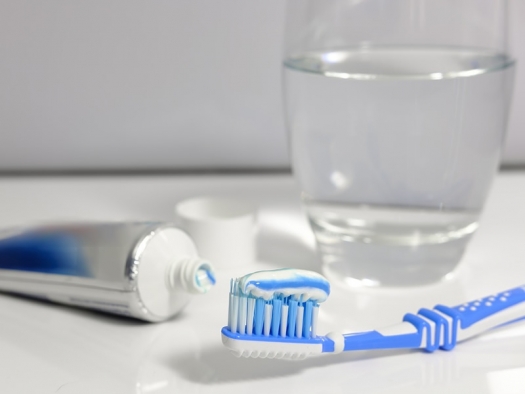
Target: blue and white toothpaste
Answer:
[[302, 285]]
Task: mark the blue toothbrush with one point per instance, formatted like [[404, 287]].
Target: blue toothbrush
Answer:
[[282, 324]]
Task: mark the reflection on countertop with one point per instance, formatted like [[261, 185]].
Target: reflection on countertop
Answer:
[[49, 348]]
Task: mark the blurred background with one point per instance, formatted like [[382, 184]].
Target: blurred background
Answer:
[[163, 85]]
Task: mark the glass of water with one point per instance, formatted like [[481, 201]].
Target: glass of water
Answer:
[[396, 110]]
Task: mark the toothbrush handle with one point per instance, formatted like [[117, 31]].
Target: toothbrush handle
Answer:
[[443, 326], [490, 312]]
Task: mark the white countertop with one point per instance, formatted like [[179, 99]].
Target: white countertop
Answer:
[[46, 348]]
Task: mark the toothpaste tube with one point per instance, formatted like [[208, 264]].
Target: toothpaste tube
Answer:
[[148, 271]]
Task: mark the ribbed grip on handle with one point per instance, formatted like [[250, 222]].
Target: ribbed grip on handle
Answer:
[[438, 329]]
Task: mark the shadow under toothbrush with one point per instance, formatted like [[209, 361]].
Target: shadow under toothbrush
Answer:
[[218, 365], [365, 371]]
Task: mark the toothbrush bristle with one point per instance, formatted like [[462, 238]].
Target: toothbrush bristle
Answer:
[[285, 317]]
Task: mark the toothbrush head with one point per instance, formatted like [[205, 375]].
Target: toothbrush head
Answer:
[[274, 314]]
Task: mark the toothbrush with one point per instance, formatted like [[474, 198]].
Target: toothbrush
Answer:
[[273, 314]]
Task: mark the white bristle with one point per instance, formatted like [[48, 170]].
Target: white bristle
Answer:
[[232, 320], [230, 309], [315, 316], [242, 315], [267, 319], [299, 324], [249, 321], [284, 320], [235, 313]]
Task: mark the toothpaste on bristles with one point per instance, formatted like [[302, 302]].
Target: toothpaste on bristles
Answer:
[[278, 303]]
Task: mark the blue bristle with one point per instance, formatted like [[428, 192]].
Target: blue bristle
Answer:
[[307, 320], [276, 316], [292, 318], [259, 316]]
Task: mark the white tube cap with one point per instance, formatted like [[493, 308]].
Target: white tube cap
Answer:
[[222, 229]]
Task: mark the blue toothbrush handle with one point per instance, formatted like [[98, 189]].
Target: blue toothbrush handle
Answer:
[[476, 311], [443, 326]]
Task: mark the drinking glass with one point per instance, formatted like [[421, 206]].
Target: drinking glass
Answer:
[[396, 111]]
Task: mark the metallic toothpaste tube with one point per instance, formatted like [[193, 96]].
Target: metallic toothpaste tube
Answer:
[[148, 271]]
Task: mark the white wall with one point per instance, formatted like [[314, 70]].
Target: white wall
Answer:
[[515, 144], [161, 84], [140, 84]]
